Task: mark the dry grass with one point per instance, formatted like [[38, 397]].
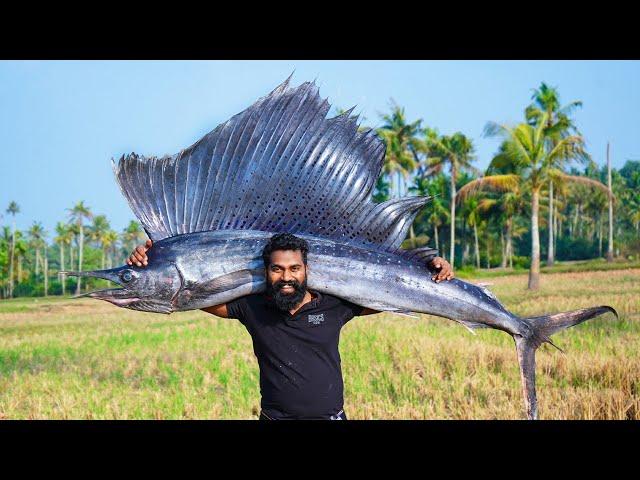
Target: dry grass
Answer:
[[87, 359]]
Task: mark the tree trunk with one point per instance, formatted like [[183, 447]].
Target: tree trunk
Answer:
[[503, 249], [610, 247], [556, 230], [19, 268], [453, 217], [550, 252], [509, 244], [13, 249], [534, 271], [560, 231], [37, 261], [435, 235], [63, 278], [80, 248], [412, 236], [488, 250], [477, 249], [45, 270]]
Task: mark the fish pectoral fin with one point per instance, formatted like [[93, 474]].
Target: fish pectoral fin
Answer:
[[226, 282]]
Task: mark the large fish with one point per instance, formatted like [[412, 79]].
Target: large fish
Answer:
[[281, 166]]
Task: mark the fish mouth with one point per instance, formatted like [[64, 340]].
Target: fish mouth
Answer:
[[117, 296]]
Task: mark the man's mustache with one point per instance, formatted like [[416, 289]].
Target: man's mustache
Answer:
[[280, 284]]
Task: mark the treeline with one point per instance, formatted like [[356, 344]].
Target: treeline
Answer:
[[30, 260], [542, 195], [542, 192]]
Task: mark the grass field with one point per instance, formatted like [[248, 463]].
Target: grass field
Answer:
[[83, 358]]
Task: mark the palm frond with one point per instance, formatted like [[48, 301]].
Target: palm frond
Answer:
[[500, 183], [587, 181]]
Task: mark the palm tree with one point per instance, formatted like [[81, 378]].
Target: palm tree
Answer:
[[401, 156], [526, 148], [436, 212], [132, 235], [5, 243], [78, 214], [558, 125], [36, 236], [109, 240], [98, 231], [456, 151], [65, 236], [12, 210], [472, 211], [21, 251], [610, 246]]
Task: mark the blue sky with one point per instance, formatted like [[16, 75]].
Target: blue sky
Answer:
[[62, 121]]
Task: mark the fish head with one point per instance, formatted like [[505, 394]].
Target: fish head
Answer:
[[148, 289]]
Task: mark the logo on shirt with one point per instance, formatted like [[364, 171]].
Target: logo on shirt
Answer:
[[316, 319]]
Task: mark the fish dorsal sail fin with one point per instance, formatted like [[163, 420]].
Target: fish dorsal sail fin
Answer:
[[278, 166]]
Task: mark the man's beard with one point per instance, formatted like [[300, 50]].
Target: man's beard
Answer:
[[287, 301]]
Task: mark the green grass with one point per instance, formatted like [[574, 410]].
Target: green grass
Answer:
[[593, 265], [62, 358]]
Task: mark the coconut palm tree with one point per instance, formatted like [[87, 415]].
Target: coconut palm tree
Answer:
[[526, 148], [37, 236], [436, 213], [98, 231], [132, 235], [456, 152], [36, 239], [472, 210], [64, 237], [401, 156], [12, 210], [109, 240], [78, 214], [558, 125], [21, 250], [5, 247]]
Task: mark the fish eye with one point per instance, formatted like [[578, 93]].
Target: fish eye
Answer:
[[126, 276]]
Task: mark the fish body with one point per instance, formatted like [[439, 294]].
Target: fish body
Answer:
[[220, 266]]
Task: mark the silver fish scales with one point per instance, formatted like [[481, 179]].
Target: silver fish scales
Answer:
[[281, 166]]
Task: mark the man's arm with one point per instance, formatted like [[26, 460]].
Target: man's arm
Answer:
[[443, 271], [139, 257], [217, 310]]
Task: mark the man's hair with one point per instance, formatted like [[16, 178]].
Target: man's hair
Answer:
[[284, 241]]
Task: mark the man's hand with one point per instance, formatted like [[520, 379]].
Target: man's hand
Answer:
[[139, 254], [443, 269]]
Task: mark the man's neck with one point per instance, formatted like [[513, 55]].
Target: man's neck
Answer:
[[306, 299]]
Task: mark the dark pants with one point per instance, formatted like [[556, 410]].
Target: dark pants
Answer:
[[338, 416]]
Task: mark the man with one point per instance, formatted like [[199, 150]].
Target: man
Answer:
[[295, 332]]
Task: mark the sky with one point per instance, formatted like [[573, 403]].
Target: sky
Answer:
[[61, 122]]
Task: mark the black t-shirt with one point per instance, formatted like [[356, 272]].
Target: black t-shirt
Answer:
[[300, 373]]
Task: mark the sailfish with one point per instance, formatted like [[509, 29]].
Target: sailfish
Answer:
[[282, 166]]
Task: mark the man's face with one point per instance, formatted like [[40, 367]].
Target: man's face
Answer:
[[286, 278]]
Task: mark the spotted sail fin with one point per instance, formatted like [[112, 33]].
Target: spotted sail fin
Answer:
[[278, 166]]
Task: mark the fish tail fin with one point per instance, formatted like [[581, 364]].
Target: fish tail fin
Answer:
[[541, 330]]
